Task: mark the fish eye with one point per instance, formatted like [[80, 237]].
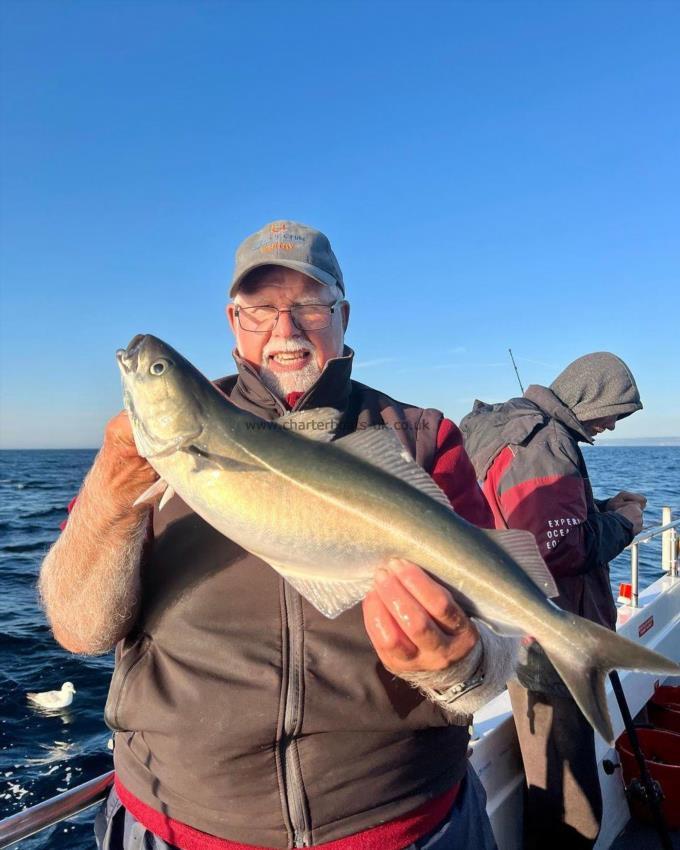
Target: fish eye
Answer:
[[159, 366]]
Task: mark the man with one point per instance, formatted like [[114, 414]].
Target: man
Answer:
[[526, 453], [242, 716]]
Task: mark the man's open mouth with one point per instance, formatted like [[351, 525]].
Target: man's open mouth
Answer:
[[288, 360]]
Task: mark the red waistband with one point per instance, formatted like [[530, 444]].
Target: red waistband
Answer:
[[394, 835]]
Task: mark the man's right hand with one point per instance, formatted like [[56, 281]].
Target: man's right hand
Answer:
[[624, 496], [632, 511], [118, 435], [129, 474]]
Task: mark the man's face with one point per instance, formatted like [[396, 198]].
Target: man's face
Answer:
[[593, 427], [287, 358]]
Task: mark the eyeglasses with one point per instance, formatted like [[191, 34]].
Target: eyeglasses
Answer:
[[305, 317]]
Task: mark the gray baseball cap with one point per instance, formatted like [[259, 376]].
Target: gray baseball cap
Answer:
[[292, 245]]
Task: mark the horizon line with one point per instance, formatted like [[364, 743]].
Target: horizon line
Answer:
[[601, 441]]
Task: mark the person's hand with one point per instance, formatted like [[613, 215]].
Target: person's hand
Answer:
[[632, 511], [118, 436], [624, 496], [129, 474], [413, 622]]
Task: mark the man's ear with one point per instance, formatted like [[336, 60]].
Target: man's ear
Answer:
[[345, 314], [231, 317]]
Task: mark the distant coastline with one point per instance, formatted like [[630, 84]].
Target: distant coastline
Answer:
[[638, 441]]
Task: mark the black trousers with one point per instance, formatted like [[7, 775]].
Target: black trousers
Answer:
[[563, 805]]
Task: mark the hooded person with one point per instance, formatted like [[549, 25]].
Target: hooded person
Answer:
[[527, 458]]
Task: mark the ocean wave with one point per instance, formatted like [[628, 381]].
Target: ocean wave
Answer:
[[25, 548], [45, 513], [19, 527], [31, 484]]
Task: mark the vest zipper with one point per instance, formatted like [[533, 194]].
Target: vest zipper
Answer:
[[295, 797]]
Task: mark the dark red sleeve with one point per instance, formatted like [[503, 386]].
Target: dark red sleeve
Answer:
[[454, 473]]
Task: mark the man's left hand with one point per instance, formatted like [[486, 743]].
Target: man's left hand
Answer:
[[414, 622]]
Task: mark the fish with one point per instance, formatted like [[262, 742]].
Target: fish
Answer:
[[325, 511]]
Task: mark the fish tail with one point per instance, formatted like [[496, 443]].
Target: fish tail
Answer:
[[584, 672]]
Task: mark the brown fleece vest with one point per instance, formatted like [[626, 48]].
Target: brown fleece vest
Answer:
[[240, 709]]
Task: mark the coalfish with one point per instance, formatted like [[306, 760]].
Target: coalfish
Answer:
[[325, 512]]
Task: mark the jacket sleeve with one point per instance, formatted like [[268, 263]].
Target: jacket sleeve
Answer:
[[453, 472], [543, 491]]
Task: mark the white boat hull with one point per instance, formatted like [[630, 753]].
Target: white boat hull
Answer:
[[495, 751]]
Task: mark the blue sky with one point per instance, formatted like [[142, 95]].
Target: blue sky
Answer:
[[491, 174]]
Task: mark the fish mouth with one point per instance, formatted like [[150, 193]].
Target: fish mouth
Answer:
[[128, 358]]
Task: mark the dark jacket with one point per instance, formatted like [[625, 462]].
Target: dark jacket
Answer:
[[242, 711], [526, 454]]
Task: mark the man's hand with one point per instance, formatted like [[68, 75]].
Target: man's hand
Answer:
[[624, 496], [632, 511], [413, 622], [128, 474]]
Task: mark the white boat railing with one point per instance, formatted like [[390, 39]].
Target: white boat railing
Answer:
[[669, 551]]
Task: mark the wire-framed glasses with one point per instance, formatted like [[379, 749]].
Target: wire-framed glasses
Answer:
[[306, 317]]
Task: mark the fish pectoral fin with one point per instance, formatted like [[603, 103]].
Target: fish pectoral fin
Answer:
[[522, 547], [205, 460], [152, 492], [331, 598], [318, 424], [169, 493], [381, 447]]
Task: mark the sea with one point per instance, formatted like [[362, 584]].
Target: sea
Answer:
[[43, 754]]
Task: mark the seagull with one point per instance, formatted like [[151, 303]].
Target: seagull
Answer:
[[53, 699]]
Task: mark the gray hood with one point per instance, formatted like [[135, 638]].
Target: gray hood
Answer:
[[591, 387], [597, 385]]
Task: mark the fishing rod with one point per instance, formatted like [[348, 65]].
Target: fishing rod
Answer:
[[519, 380], [647, 789]]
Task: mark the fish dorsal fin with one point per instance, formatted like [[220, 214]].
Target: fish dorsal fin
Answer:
[[318, 423], [150, 493], [330, 597], [380, 446], [522, 548]]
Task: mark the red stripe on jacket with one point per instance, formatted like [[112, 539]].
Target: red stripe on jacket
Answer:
[[453, 472], [553, 507]]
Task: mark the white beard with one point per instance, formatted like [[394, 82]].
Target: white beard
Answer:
[[284, 383]]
